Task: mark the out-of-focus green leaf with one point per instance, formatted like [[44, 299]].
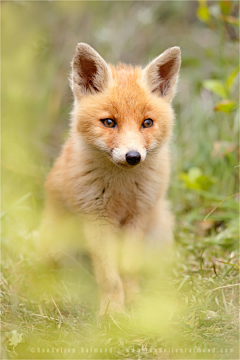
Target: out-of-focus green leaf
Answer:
[[195, 179], [225, 105], [216, 86], [232, 77], [194, 173], [225, 6], [203, 13]]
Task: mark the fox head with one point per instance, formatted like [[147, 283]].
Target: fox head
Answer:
[[123, 111]]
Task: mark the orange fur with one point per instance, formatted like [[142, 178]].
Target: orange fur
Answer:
[[91, 177]]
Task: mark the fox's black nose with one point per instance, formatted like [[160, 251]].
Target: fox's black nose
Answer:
[[133, 157]]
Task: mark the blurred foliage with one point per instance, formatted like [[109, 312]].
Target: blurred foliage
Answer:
[[194, 179], [192, 302], [212, 15]]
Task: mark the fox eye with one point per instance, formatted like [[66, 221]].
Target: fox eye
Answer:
[[110, 123], [147, 123]]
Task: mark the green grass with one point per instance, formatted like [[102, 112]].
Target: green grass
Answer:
[[57, 307], [192, 304]]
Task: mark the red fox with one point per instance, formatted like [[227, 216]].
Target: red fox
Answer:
[[115, 166]]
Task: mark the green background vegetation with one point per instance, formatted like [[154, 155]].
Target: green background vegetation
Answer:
[[196, 306]]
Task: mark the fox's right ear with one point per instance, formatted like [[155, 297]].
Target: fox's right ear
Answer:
[[90, 73]]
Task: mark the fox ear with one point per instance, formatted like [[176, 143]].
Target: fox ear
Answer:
[[162, 73], [90, 73]]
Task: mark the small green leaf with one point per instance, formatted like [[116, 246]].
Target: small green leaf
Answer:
[[225, 6], [225, 106], [203, 13], [194, 173], [216, 86], [232, 77], [195, 179]]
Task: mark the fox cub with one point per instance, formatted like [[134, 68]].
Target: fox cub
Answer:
[[113, 170]]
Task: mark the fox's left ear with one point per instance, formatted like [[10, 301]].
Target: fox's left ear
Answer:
[[162, 73]]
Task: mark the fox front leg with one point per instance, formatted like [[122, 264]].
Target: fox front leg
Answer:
[[110, 285], [130, 263], [104, 249]]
